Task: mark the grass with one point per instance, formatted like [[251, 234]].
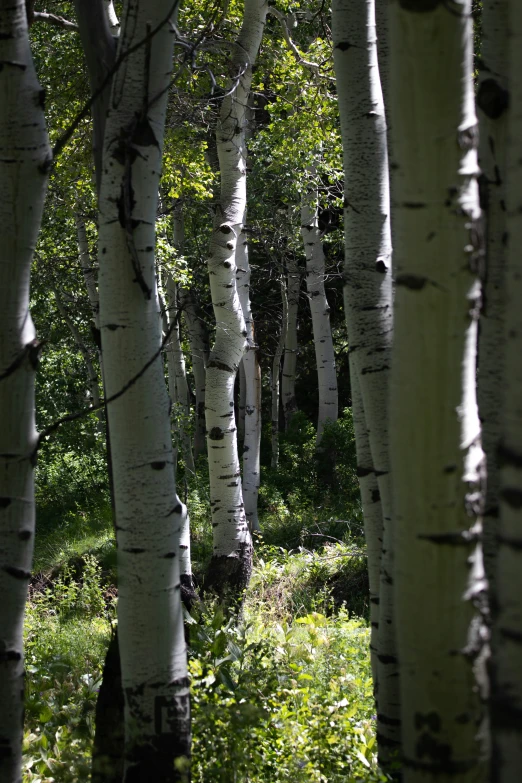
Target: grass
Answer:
[[283, 693]]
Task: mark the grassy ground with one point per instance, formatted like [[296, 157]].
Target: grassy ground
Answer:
[[285, 694]]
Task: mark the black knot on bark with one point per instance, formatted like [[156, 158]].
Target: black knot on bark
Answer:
[[225, 228], [216, 433], [492, 98]]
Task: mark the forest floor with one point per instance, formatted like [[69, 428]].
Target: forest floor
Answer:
[[284, 694]]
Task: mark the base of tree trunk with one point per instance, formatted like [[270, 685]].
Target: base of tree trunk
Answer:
[[189, 595], [229, 574], [107, 752]]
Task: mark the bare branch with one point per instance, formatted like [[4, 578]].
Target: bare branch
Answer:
[[54, 19]]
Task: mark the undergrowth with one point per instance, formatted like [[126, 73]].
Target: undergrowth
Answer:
[[282, 693]]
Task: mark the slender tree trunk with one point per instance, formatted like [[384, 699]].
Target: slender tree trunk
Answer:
[[368, 301], [506, 680], [25, 158], [198, 339], [241, 403], [319, 308], [148, 512], [438, 463], [372, 516], [492, 102], [292, 293], [252, 383], [232, 557], [276, 368], [178, 385]]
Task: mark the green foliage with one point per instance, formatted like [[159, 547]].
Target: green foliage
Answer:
[[312, 491], [290, 701], [67, 628]]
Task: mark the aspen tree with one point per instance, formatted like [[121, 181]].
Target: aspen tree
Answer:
[[436, 453], [368, 308], [252, 387], [199, 348], [232, 553], [25, 158], [492, 103], [291, 294], [319, 308], [506, 672], [148, 512]]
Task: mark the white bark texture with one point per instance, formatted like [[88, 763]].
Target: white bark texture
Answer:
[[276, 369], [292, 293], [368, 300], [436, 453], [506, 669], [199, 348], [232, 555], [319, 308], [148, 512], [372, 516], [112, 18], [252, 371], [241, 403], [25, 157], [492, 102]]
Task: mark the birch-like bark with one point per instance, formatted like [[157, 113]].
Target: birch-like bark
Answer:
[[276, 369], [252, 384], [372, 517], [232, 555], [112, 18], [199, 348], [148, 512], [241, 403], [25, 158], [368, 299], [492, 102], [436, 453], [506, 671], [99, 45], [293, 289], [319, 308]]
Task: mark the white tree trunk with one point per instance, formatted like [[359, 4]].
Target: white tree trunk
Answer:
[[368, 298], [438, 463], [232, 556], [276, 369], [25, 157], [319, 308], [492, 102], [293, 289], [112, 18], [241, 403], [198, 340], [506, 670], [252, 373], [148, 512], [372, 516]]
